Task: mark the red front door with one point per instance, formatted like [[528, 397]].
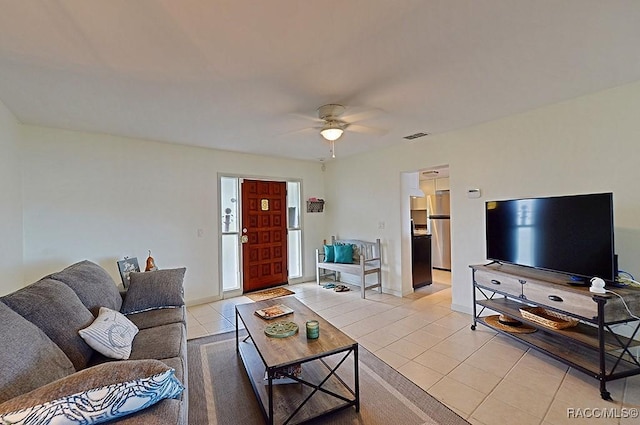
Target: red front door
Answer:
[[264, 234]]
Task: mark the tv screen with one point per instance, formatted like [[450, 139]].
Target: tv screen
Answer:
[[567, 234]]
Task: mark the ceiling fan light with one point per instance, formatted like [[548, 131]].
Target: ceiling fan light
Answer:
[[331, 132]]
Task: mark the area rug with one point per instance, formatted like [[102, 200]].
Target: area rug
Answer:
[[220, 391], [267, 294]]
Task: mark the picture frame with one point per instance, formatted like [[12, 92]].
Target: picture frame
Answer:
[[127, 266]]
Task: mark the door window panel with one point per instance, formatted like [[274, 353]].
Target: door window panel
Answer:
[[230, 254]]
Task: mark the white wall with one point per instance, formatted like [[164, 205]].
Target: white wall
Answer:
[[100, 197], [589, 144], [10, 205]]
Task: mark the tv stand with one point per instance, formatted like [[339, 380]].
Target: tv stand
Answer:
[[582, 283], [591, 347]]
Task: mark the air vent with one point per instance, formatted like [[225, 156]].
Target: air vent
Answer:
[[415, 136]]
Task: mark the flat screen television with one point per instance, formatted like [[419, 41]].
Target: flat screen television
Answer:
[[566, 234]]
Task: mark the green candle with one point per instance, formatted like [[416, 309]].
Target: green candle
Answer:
[[313, 329]]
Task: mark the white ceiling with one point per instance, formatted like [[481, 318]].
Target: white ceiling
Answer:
[[238, 74]]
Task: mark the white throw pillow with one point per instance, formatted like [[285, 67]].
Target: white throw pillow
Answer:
[[110, 334]]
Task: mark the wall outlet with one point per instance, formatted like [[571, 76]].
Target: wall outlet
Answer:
[[381, 225], [200, 233]]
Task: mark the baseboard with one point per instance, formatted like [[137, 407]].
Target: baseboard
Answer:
[[303, 279], [462, 308], [390, 292], [198, 301]]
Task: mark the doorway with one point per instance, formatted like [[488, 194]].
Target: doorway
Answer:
[[231, 253], [264, 234], [432, 214], [422, 218]]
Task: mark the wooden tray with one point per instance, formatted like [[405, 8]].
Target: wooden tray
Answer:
[[548, 318], [274, 312]]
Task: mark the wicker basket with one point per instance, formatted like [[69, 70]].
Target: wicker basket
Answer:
[[548, 318]]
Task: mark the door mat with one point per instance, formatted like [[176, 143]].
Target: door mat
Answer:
[[268, 294]]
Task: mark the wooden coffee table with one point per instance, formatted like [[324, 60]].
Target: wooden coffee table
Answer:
[[326, 384]]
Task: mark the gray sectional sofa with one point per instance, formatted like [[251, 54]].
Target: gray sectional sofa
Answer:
[[41, 351]]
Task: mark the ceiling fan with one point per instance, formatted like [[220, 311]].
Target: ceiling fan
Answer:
[[332, 124]]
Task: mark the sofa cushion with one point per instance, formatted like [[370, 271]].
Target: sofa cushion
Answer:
[[110, 334], [161, 342], [152, 290], [96, 394], [28, 358], [177, 364], [153, 318], [92, 284], [54, 308]]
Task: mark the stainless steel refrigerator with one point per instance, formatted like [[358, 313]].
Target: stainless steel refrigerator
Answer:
[[440, 226]]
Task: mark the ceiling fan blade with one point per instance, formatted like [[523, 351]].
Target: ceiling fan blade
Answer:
[[356, 128], [307, 130], [362, 115], [305, 117]]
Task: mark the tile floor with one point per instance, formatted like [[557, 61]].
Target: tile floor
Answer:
[[486, 378]]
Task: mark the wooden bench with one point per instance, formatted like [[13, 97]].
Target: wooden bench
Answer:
[[367, 261]]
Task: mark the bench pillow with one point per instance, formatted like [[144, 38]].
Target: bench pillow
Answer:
[[329, 254], [96, 394], [343, 254], [356, 253]]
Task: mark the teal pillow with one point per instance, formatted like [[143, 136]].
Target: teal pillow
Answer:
[[329, 254], [343, 254]]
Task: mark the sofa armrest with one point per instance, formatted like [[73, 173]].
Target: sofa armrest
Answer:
[[153, 290]]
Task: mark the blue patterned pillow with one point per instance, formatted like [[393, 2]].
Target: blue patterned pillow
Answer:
[[128, 386]]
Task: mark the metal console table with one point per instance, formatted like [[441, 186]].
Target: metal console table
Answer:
[[591, 347]]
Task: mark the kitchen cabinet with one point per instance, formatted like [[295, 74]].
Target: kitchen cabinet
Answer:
[[442, 184], [429, 187], [419, 203], [421, 260]]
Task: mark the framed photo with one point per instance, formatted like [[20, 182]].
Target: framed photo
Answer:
[[127, 266]]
